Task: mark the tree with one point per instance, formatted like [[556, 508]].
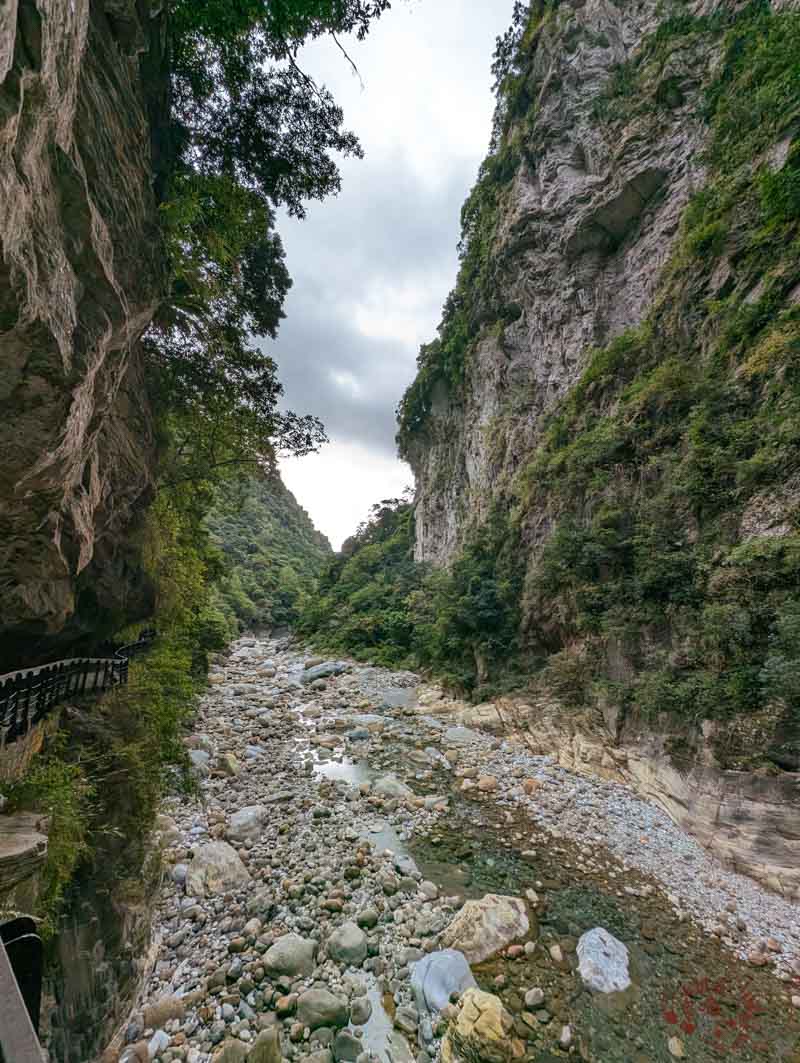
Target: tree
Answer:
[[250, 132]]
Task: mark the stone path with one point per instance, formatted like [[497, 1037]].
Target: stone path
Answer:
[[339, 831]]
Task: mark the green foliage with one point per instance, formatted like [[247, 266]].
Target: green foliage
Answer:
[[467, 616], [249, 132], [271, 553], [362, 605], [61, 790]]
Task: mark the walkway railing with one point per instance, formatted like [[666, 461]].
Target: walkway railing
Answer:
[[27, 696]]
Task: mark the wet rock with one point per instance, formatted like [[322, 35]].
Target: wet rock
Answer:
[[484, 927], [215, 868], [291, 955], [603, 962], [436, 976]]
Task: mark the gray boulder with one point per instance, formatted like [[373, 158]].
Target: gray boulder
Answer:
[[318, 1007], [603, 962], [391, 786], [215, 868], [247, 824], [346, 1047], [200, 761], [348, 945], [267, 1047], [438, 975], [322, 671], [291, 955]]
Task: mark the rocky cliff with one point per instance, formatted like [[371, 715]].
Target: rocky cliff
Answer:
[[81, 273], [615, 378]]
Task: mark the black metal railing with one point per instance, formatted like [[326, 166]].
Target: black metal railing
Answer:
[[27, 696]]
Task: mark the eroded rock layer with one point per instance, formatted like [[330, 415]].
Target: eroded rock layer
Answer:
[[80, 276]]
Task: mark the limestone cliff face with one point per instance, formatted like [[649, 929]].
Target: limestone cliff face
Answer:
[[81, 274], [586, 226], [616, 379]]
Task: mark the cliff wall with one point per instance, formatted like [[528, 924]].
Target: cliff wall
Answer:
[[81, 274], [615, 380]]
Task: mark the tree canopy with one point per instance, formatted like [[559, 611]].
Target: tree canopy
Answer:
[[251, 132]]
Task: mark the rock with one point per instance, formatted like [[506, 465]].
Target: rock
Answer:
[[481, 1031], [247, 825], [406, 1018], [348, 945], [261, 903], [487, 783], [319, 1007], [391, 786], [200, 761], [346, 1047], [438, 975], [603, 962], [215, 868], [360, 1011], [486, 926], [291, 955], [159, 1013], [229, 765], [534, 997], [229, 1052], [322, 671], [367, 918], [459, 736], [267, 1047], [675, 1048], [312, 662], [158, 1043]]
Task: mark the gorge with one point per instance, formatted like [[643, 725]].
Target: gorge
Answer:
[[564, 669]]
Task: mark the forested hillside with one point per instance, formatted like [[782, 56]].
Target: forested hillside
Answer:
[[272, 553]]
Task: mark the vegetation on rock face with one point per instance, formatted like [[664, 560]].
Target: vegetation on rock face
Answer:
[[658, 520]]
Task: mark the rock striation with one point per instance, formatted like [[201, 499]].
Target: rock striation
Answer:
[[81, 274]]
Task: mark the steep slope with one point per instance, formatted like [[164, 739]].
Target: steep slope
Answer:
[[272, 552], [81, 273], [613, 397]]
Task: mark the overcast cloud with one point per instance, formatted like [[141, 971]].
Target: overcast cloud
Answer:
[[372, 267]]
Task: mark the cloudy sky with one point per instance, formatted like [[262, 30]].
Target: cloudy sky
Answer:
[[373, 266]]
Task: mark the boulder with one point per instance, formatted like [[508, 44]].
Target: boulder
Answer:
[[322, 671], [247, 824], [486, 926], [267, 1047], [481, 1031], [390, 786], [346, 1047], [603, 962], [230, 1052], [200, 761], [348, 945], [215, 868], [318, 1007], [436, 976], [229, 765], [291, 955]]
